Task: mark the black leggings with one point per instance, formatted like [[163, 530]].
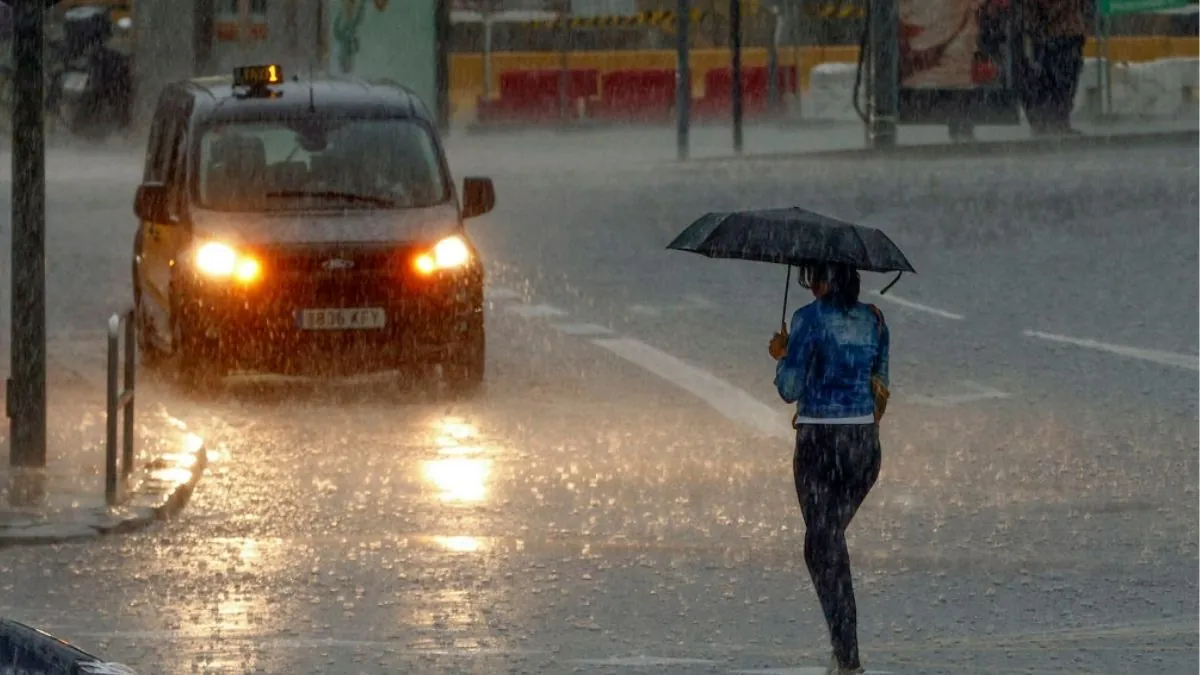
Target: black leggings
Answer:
[[835, 466]]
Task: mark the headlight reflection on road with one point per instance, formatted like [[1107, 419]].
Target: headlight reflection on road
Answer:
[[452, 431], [460, 544], [459, 474], [459, 479]]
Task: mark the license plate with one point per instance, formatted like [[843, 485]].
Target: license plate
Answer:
[[75, 82], [359, 318]]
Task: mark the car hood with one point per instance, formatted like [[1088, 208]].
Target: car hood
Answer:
[[327, 227]]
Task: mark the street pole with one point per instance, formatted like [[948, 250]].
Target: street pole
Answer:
[[26, 392], [735, 46], [683, 79], [773, 94], [564, 72], [885, 74]]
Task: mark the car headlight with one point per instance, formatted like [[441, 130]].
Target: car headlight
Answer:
[[221, 261], [448, 253]]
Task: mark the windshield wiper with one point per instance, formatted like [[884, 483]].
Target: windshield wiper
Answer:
[[333, 194]]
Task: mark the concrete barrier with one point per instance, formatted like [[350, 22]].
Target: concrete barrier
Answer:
[[1164, 89], [1161, 89], [467, 71]]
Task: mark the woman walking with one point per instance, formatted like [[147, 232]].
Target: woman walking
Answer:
[[833, 364]]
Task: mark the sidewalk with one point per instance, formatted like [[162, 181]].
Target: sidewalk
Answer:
[[68, 494], [610, 148]]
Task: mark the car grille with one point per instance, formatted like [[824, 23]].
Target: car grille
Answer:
[[342, 277]]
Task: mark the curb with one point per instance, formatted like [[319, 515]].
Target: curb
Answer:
[[592, 125], [163, 489], [1025, 146]]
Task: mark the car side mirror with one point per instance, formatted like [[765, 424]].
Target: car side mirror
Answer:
[[479, 197], [150, 203]]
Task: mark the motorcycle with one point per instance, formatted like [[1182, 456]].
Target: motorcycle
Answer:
[[92, 82]]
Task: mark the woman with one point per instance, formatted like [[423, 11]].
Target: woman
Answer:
[[834, 366]]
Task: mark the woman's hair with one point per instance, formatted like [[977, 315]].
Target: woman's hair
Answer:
[[843, 281]]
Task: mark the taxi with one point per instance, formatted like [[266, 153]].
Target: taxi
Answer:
[[305, 227]]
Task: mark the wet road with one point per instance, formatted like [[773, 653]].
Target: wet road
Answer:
[[622, 488]]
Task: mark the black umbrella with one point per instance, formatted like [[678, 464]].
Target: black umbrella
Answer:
[[790, 237]]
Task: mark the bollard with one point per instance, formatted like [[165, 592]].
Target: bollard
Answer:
[[118, 468], [127, 405], [111, 492]]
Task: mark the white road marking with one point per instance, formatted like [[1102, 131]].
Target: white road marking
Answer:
[[917, 306], [692, 302], [645, 310], [581, 329], [535, 311], [733, 403], [292, 642], [1186, 361], [801, 670], [645, 661], [500, 293], [978, 392]]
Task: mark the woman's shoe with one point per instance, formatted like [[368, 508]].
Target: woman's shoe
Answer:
[[835, 668]]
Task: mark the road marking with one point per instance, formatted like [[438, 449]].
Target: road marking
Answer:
[[917, 306], [691, 302], [733, 403], [581, 329], [801, 670], [291, 642], [535, 311], [645, 661], [979, 393], [1186, 361], [500, 293]]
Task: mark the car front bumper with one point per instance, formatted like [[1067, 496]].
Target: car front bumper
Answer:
[[258, 327]]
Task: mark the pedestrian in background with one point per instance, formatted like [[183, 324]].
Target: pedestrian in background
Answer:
[[1055, 35], [833, 364]]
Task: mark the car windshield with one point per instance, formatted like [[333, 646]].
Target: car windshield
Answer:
[[327, 163]]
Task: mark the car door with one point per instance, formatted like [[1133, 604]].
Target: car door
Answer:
[[161, 242]]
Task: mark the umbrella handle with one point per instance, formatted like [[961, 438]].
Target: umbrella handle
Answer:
[[889, 286], [787, 286]]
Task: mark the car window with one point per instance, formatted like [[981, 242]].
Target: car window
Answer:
[[288, 165]]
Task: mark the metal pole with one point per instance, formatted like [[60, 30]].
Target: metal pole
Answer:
[[1098, 26], [27, 387], [111, 494], [564, 73], [773, 62], [794, 32], [487, 53], [683, 79], [885, 75], [1106, 65], [127, 397], [443, 29], [735, 46]]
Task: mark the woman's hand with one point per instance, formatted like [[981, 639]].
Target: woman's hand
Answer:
[[778, 345]]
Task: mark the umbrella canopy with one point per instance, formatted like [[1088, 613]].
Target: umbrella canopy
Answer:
[[791, 236]]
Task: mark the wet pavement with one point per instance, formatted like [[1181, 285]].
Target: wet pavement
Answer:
[[619, 499]]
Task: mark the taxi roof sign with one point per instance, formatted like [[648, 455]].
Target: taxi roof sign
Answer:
[[257, 76]]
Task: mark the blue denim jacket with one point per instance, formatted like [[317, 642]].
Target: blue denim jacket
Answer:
[[831, 356]]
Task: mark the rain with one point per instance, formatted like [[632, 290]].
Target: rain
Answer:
[[597, 472]]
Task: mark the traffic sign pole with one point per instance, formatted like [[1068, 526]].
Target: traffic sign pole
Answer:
[[26, 392]]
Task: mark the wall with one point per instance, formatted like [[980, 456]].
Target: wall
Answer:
[[293, 43], [398, 42]]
